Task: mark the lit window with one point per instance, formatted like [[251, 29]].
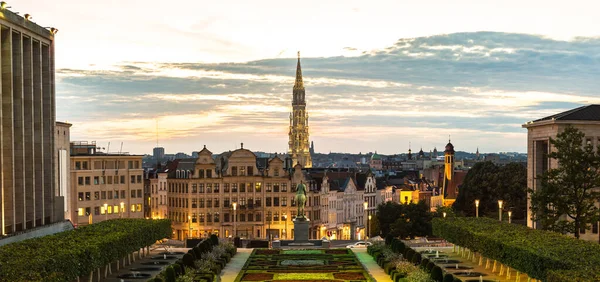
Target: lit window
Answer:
[[109, 209], [116, 209], [102, 211], [80, 212], [139, 207], [133, 208]]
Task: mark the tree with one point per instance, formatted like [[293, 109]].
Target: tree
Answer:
[[404, 220], [387, 214], [570, 189], [489, 183]]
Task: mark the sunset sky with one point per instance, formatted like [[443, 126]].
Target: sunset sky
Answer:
[[378, 74]]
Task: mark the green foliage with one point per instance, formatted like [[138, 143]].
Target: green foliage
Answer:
[[424, 263], [214, 239], [157, 279], [448, 278], [188, 260], [388, 239], [568, 189], [489, 183], [412, 219], [177, 269], [429, 266], [416, 258], [170, 274], [437, 274], [418, 276], [535, 252], [67, 255]]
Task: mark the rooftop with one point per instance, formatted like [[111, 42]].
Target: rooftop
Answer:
[[584, 113]]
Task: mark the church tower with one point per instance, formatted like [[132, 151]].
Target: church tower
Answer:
[[299, 149], [449, 191]]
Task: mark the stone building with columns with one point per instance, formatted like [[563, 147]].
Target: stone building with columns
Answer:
[[29, 197], [539, 132]]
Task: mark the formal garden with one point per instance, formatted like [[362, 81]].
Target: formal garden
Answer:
[[542, 255], [331, 265], [202, 263], [69, 255]]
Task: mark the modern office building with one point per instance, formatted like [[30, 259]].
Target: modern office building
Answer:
[[27, 158], [107, 185]]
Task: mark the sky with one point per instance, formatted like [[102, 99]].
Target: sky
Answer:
[[378, 74]]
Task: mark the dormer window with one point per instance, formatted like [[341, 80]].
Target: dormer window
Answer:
[[242, 171]]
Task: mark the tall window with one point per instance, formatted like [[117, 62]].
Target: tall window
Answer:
[[208, 187], [269, 187], [258, 187], [209, 173], [268, 201], [200, 173], [216, 187], [243, 187], [201, 202], [234, 187], [242, 170], [283, 187], [283, 201], [275, 201], [226, 187], [234, 171], [250, 170], [276, 187]]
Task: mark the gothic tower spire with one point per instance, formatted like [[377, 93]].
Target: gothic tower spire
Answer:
[[299, 146]]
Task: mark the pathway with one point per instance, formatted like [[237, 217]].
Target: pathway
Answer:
[[233, 268], [371, 266]]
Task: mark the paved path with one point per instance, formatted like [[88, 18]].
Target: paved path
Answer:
[[233, 268], [372, 267]]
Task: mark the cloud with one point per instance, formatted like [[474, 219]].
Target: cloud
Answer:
[[479, 87]]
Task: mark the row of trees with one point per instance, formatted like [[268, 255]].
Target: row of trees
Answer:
[[489, 183], [565, 201]]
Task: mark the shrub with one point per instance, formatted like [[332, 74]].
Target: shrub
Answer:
[[408, 253], [418, 276], [214, 239], [63, 257], [188, 260], [177, 269], [540, 254], [437, 274], [424, 263], [170, 274], [448, 277], [405, 267], [237, 242], [197, 252], [456, 279], [430, 266], [416, 259], [388, 239]]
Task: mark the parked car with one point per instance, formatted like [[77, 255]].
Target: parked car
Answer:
[[360, 244]]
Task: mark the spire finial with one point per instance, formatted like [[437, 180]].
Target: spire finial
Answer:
[[298, 84], [298, 55], [449, 138]]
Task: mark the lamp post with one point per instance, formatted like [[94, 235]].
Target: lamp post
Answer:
[[106, 211], [269, 229], [122, 210], [189, 226], [369, 226], [444, 214], [285, 230], [476, 208], [366, 206], [509, 216], [234, 219], [500, 203]]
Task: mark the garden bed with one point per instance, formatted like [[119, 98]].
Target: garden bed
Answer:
[[337, 265]]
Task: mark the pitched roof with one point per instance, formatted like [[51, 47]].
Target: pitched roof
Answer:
[[589, 112]]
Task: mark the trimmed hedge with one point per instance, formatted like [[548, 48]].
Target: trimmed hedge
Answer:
[[541, 254], [67, 255], [437, 274]]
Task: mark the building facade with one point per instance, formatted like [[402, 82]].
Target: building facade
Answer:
[[62, 143], [107, 186], [539, 132], [299, 149], [27, 133]]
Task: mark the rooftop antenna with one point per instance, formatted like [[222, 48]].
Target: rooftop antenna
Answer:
[[120, 150], [108, 151]]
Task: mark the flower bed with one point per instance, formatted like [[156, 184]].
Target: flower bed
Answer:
[[338, 265]]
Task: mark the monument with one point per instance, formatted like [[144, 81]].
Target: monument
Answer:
[[301, 222]]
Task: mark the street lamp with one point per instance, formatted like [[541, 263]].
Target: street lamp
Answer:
[[444, 214], [122, 210], [106, 210], [500, 203], [369, 226], [189, 226], [509, 216], [285, 230], [476, 208], [366, 206], [234, 222]]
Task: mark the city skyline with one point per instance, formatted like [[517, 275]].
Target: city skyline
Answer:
[[365, 90]]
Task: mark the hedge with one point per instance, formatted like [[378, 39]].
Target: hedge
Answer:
[[543, 255], [67, 255]]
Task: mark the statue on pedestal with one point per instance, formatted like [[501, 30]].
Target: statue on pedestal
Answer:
[[300, 199]]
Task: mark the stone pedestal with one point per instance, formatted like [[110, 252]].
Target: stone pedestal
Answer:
[[301, 230]]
